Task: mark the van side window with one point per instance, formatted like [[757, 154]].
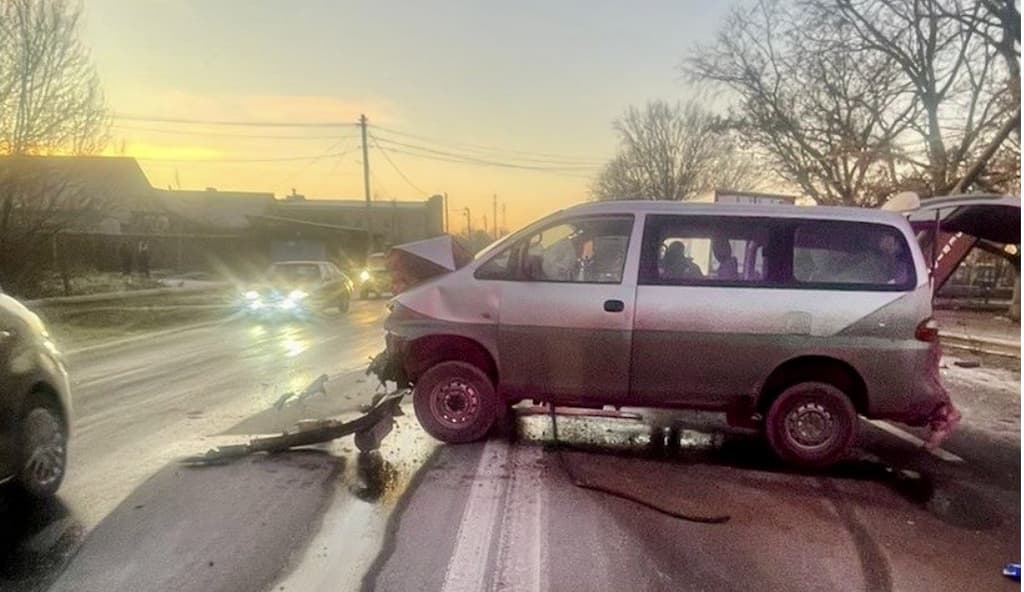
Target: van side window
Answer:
[[497, 268], [587, 250], [704, 250], [851, 254]]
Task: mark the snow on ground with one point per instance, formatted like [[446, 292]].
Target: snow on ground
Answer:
[[988, 396]]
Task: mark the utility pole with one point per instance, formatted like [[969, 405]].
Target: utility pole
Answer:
[[469, 222], [504, 218], [366, 188], [447, 227], [494, 220]]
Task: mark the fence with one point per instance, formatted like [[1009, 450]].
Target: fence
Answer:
[[217, 254]]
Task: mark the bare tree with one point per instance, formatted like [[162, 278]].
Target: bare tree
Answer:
[[50, 103], [828, 118], [857, 99], [50, 98], [673, 152], [955, 73]]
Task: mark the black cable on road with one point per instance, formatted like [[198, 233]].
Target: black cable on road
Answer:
[[582, 483]]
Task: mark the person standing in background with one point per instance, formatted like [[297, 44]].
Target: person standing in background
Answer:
[[144, 259], [125, 253]]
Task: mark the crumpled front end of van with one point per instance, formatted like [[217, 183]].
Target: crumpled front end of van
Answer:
[[388, 365], [426, 303], [448, 317]]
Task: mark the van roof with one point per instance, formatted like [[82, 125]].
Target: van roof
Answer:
[[761, 210]]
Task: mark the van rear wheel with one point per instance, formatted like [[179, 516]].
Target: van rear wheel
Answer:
[[455, 402], [811, 424]]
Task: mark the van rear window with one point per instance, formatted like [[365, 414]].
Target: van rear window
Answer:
[[775, 253], [851, 254]]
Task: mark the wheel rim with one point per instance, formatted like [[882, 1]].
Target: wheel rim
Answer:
[[44, 448], [455, 402], [810, 426]]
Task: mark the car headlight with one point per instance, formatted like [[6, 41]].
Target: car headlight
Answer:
[[297, 295], [252, 295], [364, 276]]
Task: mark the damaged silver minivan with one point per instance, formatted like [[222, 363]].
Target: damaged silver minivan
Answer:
[[794, 319]]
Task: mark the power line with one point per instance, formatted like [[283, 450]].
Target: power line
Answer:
[[469, 159], [326, 154], [245, 160], [248, 123], [228, 134], [381, 190], [394, 166], [553, 171], [548, 156]]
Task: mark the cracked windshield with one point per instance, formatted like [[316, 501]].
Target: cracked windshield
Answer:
[[495, 296]]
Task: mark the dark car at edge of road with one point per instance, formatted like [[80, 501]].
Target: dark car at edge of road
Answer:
[[35, 403], [375, 278]]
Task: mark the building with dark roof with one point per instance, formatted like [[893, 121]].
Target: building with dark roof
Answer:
[[87, 193], [394, 222]]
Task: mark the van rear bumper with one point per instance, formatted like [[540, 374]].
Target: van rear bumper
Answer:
[[917, 397]]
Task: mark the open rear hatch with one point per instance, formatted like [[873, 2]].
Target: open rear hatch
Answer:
[[948, 228]]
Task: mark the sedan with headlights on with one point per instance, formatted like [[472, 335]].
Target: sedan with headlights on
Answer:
[[297, 288]]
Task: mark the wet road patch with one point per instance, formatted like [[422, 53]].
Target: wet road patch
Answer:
[[227, 527]]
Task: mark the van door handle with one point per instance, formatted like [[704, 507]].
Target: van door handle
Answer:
[[614, 306]]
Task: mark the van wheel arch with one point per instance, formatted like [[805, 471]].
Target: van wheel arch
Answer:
[[426, 352], [824, 369]]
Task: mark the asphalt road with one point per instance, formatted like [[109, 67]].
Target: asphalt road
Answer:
[[142, 404], [500, 515]]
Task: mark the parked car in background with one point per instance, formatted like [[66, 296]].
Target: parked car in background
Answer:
[[791, 319], [375, 279], [294, 288], [35, 403]]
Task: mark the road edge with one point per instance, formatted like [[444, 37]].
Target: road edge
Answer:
[[148, 335]]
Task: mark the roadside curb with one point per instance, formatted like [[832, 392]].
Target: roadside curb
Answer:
[[120, 296], [999, 347], [142, 336]]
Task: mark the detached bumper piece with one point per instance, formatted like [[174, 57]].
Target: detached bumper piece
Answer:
[[370, 429]]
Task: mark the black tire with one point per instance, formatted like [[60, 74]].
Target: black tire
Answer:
[[343, 305], [42, 452], [811, 424], [455, 402], [364, 294]]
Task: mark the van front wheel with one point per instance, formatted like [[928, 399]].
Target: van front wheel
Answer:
[[455, 402], [811, 424]]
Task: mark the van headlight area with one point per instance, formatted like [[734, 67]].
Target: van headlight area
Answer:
[[269, 302], [364, 276]]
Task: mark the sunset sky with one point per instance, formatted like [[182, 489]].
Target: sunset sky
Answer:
[[536, 82]]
